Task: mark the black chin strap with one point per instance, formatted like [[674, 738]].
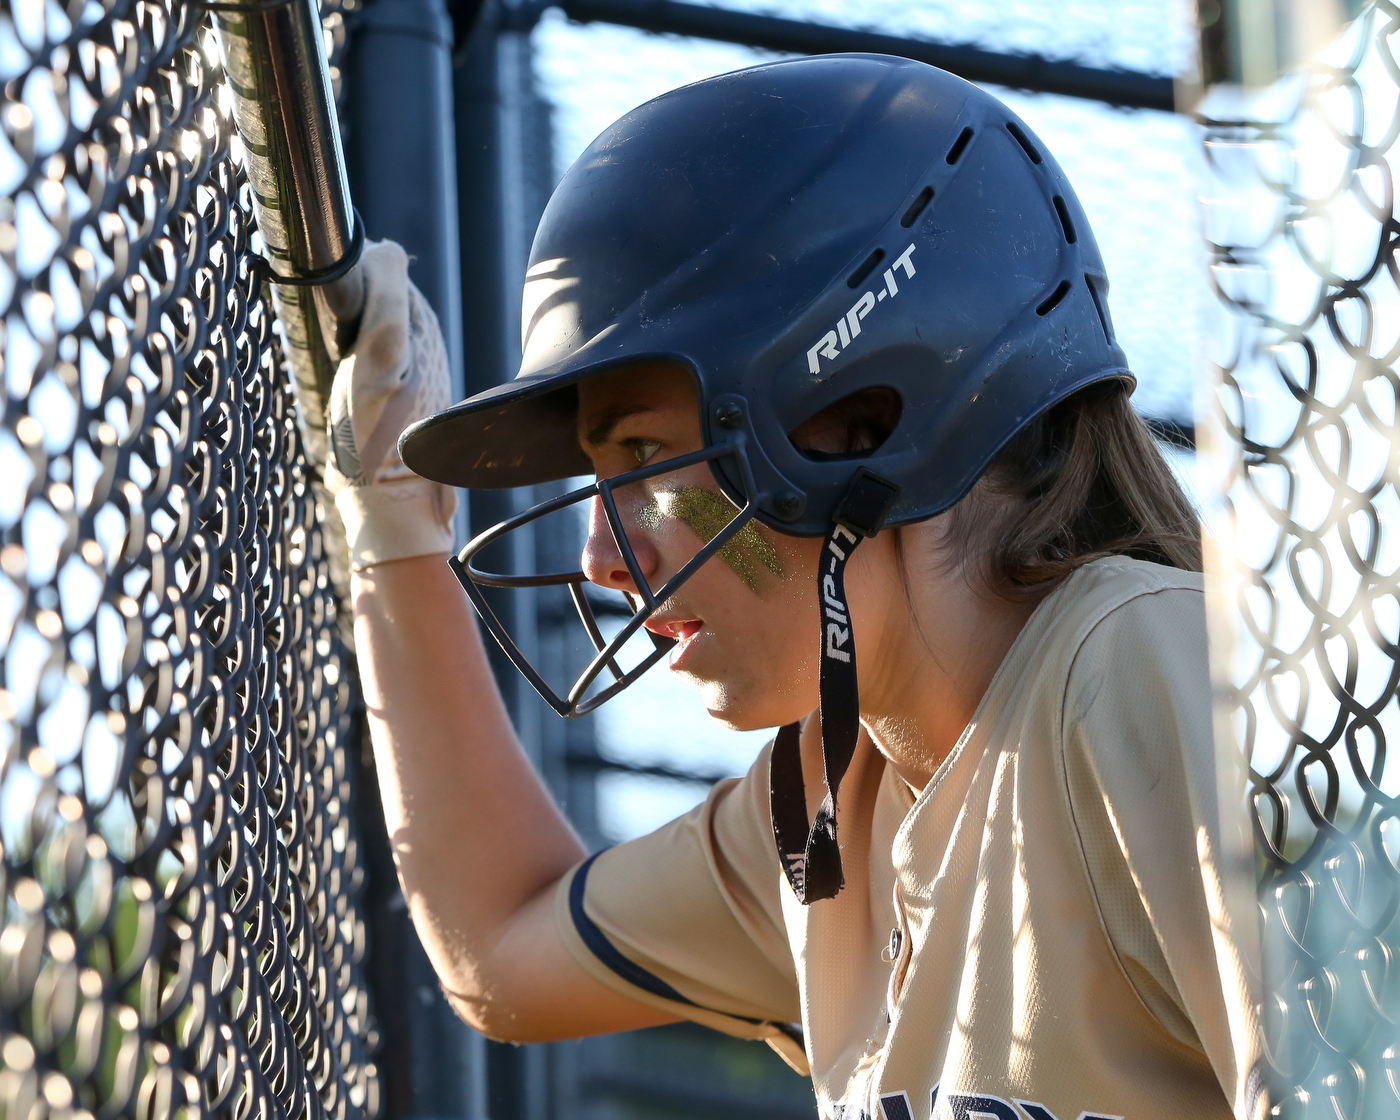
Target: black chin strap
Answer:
[[810, 854]]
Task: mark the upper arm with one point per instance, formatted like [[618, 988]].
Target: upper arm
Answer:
[[689, 919], [682, 923]]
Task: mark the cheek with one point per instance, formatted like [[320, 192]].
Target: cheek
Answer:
[[772, 619], [682, 519], [800, 557], [758, 668]]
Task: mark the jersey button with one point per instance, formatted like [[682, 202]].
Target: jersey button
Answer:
[[896, 942]]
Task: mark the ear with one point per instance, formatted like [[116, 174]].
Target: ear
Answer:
[[858, 423]]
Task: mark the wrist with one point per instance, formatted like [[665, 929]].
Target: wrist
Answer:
[[396, 520]]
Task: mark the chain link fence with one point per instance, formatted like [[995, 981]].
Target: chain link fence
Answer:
[[1301, 222], [181, 934]]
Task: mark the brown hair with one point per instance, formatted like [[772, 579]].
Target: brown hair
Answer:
[[1083, 480]]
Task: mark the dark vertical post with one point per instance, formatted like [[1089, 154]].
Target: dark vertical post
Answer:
[[401, 150], [401, 155], [477, 105], [503, 181]]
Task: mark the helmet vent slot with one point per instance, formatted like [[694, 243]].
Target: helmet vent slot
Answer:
[[925, 197], [1065, 220], [866, 268], [1024, 140], [959, 145], [1053, 300], [852, 428], [1099, 307]]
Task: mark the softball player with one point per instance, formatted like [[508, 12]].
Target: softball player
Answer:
[[833, 336]]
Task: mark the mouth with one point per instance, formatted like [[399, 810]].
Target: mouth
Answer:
[[683, 631]]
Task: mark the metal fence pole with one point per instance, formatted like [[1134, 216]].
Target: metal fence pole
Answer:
[[284, 107], [401, 155]]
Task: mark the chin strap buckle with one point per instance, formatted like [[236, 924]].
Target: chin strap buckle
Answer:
[[866, 503]]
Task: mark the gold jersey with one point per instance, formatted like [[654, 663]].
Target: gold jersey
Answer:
[[1043, 933]]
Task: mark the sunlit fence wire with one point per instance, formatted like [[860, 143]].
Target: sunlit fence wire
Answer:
[[1300, 214], [180, 933]]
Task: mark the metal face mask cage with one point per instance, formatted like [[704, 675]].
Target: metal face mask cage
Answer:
[[577, 702]]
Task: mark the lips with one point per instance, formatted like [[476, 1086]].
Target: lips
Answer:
[[682, 630]]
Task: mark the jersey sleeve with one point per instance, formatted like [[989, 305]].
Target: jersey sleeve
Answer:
[[1162, 844], [689, 918]]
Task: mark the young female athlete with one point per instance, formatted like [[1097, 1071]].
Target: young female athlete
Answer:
[[832, 334]]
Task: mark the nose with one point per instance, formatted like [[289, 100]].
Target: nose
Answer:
[[602, 559]]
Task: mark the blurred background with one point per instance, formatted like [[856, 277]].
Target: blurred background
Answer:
[[528, 88]]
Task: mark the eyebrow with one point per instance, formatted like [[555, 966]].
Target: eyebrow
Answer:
[[599, 433]]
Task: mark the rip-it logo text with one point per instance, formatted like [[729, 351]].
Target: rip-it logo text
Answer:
[[848, 326]]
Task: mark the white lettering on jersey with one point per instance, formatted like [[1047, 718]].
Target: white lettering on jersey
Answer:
[[966, 1106], [977, 1106], [847, 328], [1040, 1112], [961, 1106]]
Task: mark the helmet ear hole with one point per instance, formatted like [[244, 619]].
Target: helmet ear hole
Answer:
[[851, 428]]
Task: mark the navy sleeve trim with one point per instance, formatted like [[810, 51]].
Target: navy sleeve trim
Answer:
[[599, 945]]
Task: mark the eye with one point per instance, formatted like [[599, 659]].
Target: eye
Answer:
[[644, 449]]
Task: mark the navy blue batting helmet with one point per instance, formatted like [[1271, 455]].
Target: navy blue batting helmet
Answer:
[[794, 233]]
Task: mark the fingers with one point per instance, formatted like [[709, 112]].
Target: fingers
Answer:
[[381, 348]]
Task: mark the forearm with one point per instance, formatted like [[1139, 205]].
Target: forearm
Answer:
[[474, 831], [477, 839]]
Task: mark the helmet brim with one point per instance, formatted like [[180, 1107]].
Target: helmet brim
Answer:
[[517, 434]]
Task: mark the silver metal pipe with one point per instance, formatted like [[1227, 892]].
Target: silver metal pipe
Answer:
[[284, 109]]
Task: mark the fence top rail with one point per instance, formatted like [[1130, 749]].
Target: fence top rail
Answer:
[[1125, 88]]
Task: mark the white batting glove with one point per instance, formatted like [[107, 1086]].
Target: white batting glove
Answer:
[[396, 373]]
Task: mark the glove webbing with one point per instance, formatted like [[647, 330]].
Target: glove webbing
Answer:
[[810, 854]]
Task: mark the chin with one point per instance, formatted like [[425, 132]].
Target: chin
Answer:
[[723, 699], [741, 705], [735, 721]]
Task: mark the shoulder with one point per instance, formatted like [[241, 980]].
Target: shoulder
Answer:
[[1117, 600], [1137, 689], [1121, 591], [1126, 633]]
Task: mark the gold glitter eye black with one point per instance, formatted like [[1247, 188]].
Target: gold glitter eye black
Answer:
[[708, 513]]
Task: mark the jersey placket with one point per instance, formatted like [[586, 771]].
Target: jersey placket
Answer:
[[898, 953]]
